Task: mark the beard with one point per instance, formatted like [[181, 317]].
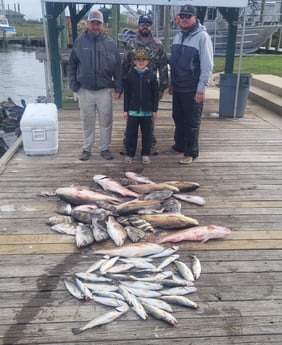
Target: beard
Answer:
[[144, 33]]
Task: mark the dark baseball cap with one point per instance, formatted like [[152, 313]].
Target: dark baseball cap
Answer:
[[188, 9], [145, 18]]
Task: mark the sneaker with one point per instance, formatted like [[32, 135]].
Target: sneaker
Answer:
[[128, 159], [186, 161], [85, 155], [176, 149], [146, 160], [106, 154], [122, 151]]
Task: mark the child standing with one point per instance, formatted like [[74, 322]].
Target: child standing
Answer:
[[141, 98]]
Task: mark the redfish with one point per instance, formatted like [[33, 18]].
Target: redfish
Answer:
[[196, 233]]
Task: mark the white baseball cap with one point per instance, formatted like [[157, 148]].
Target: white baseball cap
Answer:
[[95, 15]]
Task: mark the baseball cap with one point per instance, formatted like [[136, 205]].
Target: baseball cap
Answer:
[[141, 54], [95, 15], [188, 9], [145, 19]]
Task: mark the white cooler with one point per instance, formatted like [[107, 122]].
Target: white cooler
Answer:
[[39, 126]]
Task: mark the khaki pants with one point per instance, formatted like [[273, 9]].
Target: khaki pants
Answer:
[[91, 103]]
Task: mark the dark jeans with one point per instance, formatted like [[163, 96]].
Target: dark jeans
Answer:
[[186, 114], [154, 139], [132, 126]]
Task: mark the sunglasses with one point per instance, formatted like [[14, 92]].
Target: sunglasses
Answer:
[[145, 24], [185, 16]]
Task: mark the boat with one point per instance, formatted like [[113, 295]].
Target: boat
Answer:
[[259, 26], [5, 29]]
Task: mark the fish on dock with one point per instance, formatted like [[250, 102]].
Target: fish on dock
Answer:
[[109, 184], [201, 233], [152, 187], [137, 177], [169, 220]]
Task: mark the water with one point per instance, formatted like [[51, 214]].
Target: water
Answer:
[[22, 76]]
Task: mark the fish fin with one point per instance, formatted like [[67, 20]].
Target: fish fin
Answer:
[[211, 227]]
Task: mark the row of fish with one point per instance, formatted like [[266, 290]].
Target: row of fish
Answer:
[[144, 277], [140, 209]]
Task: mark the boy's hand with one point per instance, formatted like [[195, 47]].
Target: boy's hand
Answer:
[[125, 115], [154, 115]]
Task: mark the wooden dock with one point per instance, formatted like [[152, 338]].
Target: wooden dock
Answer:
[[240, 289]]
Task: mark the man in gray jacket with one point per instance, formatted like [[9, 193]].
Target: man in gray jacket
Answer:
[[94, 69], [191, 65]]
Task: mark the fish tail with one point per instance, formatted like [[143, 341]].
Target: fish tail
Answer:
[[76, 331]]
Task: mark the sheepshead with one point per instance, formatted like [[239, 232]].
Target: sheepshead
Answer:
[[197, 233], [106, 206], [59, 219], [196, 267], [99, 231], [134, 234], [81, 216], [64, 208], [101, 214], [83, 236], [65, 228], [180, 300], [79, 195], [132, 250], [116, 231], [184, 186], [193, 199], [160, 195], [160, 314], [169, 220], [140, 223], [138, 178], [172, 206], [133, 206], [103, 319], [109, 184], [148, 187]]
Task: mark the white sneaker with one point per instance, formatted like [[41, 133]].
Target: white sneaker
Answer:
[[128, 159], [146, 160]]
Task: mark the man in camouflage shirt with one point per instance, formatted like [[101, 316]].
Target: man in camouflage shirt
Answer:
[[158, 59]]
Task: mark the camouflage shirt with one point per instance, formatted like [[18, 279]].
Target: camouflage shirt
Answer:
[[158, 59]]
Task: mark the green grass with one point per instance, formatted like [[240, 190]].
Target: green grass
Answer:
[[253, 64], [30, 29]]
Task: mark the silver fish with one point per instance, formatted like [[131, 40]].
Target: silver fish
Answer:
[[135, 234], [116, 231], [112, 302], [138, 308], [73, 289], [79, 195], [95, 287], [109, 184], [96, 265], [196, 267], [83, 236], [182, 290], [120, 268], [193, 199], [154, 278], [140, 263], [160, 195], [64, 228], [138, 178], [160, 314], [157, 303], [181, 300], [184, 270], [92, 277], [165, 252], [109, 294], [108, 264], [132, 250], [103, 319], [167, 261], [142, 285], [85, 291], [59, 219], [143, 292]]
